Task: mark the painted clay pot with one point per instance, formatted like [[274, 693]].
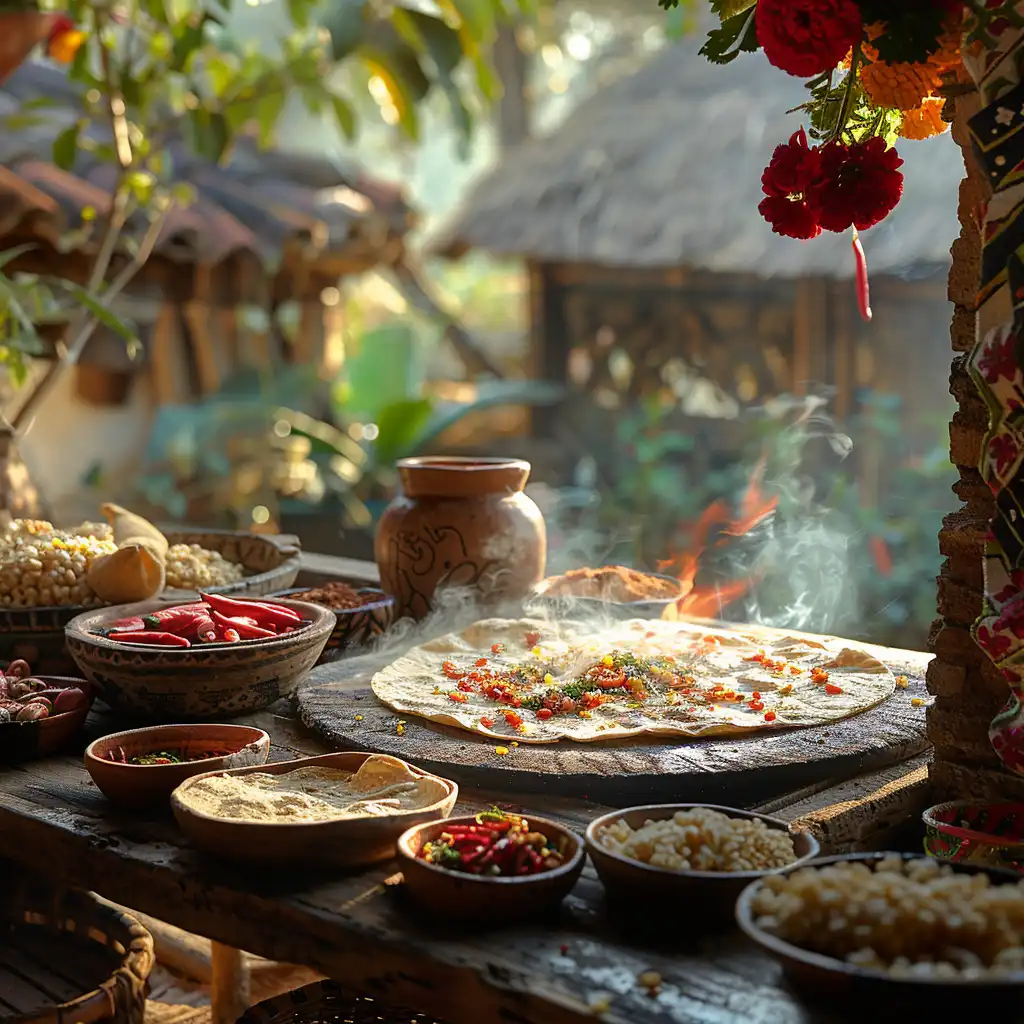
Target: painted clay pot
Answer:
[[460, 522]]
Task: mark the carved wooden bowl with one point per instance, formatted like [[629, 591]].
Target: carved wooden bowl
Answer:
[[637, 889], [355, 626], [189, 683], [975, 832], [37, 634], [25, 741], [866, 993], [482, 898], [143, 785]]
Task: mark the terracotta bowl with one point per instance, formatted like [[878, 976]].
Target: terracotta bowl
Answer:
[[639, 889], [868, 993], [336, 844], [483, 899], [25, 741], [567, 604], [37, 634], [973, 832], [136, 786], [190, 683], [355, 626]]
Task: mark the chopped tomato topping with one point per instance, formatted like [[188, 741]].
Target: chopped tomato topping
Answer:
[[512, 719], [532, 639], [760, 656], [755, 705], [607, 677], [457, 697], [480, 662], [769, 716], [497, 648], [451, 670], [544, 714], [755, 696], [832, 688], [487, 723], [819, 675]]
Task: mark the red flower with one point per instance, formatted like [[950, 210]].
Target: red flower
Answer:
[[1002, 450], [996, 645], [997, 360], [786, 180], [859, 185], [807, 37]]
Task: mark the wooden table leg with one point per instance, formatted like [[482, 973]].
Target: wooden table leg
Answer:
[[229, 994]]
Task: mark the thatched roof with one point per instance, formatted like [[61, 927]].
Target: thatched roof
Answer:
[[256, 205], [663, 168]]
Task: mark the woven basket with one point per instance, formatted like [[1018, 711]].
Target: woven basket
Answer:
[[67, 958], [326, 1002]]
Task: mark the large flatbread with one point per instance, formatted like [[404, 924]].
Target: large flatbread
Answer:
[[538, 682]]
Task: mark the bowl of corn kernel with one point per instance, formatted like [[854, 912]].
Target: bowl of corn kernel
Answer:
[[44, 569], [894, 932], [697, 856]]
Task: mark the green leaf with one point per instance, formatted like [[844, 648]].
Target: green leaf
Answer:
[[99, 311], [726, 9], [737, 35], [208, 134], [344, 116], [65, 146], [141, 185], [476, 17], [347, 25], [441, 43], [396, 64], [268, 111], [399, 426], [221, 72]]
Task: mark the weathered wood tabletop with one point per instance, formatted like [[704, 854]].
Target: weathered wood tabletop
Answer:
[[358, 929]]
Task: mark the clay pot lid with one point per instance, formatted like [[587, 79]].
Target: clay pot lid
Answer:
[[455, 476]]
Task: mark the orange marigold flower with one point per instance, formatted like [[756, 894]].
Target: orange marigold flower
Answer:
[[899, 86], [925, 121], [948, 54]]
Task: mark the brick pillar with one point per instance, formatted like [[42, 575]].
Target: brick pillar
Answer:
[[967, 687]]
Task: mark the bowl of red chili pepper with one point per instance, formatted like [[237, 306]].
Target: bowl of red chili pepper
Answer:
[[215, 658], [142, 767], [494, 866]]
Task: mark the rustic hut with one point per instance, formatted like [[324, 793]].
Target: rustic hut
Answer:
[[265, 229], [650, 267]]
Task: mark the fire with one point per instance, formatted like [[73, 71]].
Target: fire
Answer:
[[706, 602]]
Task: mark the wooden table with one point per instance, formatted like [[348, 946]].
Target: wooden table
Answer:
[[358, 929]]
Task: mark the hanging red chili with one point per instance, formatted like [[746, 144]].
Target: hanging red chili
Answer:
[[863, 288]]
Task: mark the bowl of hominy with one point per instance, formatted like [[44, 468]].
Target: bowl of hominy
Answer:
[[900, 931], [695, 855]]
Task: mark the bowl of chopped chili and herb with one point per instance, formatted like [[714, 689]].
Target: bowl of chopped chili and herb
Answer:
[[181, 663], [361, 613], [142, 767], [495, 866]]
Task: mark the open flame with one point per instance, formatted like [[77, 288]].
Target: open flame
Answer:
[[707, 602]]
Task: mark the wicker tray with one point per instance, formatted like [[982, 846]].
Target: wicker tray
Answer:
[[326, 1002], [68, 958], [37, 634]]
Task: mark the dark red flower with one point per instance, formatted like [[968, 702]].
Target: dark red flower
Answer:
[[807, 37], [996, 645], [793, 169], [998, 361], [858, 185], [1002, 450]]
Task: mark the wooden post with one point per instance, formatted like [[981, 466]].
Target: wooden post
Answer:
[[229, 992]]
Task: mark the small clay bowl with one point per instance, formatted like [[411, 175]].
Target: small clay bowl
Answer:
[[488, 899], [354, 626], [973, 832], [566, 604], [145, 785], [195, 683], [872, 994], [347, 843], [26, 741], [638, 889]]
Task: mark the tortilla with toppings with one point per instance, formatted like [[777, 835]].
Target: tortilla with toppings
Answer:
[[540, 682]]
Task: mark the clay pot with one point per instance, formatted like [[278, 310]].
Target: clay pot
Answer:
[[460, 522]]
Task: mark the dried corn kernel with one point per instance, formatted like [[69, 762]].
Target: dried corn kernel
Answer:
[[191, 567]]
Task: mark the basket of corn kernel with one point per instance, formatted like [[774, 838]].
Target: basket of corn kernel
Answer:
[[899, 929], [44, 569], [692, 855]]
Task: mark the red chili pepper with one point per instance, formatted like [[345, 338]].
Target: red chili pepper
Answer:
[[181, 619], [134, 623], [246, 627], [863, 288], [150, 637], [206, 631], [264, 614]]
